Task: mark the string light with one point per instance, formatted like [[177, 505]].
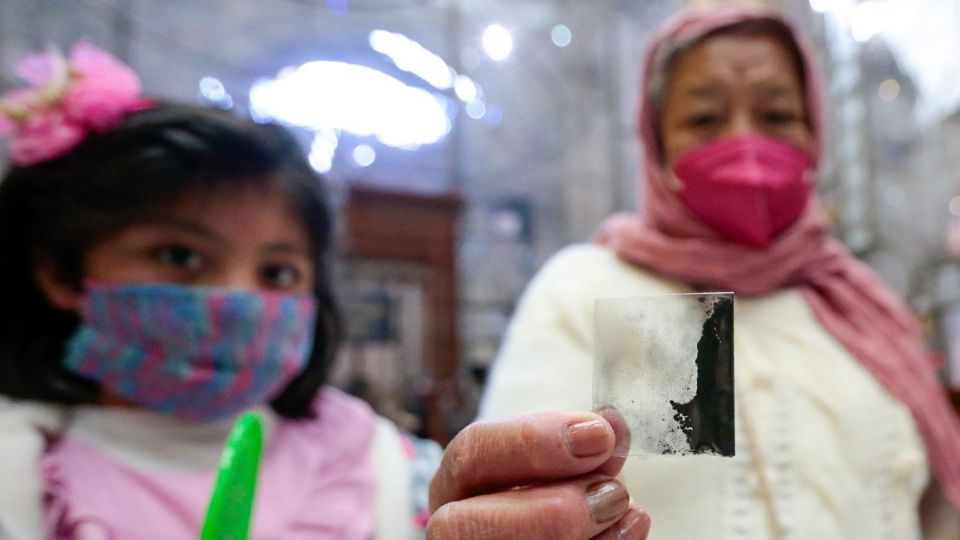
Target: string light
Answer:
[[561, 35], [497, 42]]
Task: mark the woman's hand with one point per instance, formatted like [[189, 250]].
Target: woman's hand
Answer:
[[546, 475]]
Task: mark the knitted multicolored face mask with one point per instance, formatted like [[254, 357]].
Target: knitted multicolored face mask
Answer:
[[196, 353]]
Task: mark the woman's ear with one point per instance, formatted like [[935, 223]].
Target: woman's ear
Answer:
[[60, 294]]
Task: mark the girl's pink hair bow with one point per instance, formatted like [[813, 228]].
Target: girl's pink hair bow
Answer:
[[68, 98]]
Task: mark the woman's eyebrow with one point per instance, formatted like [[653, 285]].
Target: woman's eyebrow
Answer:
[[704, 90], [775, 89]]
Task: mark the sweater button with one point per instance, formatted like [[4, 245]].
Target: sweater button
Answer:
[[906, 463]]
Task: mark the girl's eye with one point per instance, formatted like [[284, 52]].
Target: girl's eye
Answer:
[[281, 276], [180, 257]]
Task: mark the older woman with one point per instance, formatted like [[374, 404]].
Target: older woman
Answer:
[[839, 411]]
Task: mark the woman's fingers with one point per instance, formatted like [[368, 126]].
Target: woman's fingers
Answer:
[[536, 476], [634, 525], [581, 508], [622, 441], [532, 449]]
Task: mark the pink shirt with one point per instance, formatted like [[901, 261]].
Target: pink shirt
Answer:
[[127, 474]]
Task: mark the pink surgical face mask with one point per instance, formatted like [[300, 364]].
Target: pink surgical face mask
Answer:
[[748, 189]]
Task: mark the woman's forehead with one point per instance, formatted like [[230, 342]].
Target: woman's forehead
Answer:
[[736, 58]]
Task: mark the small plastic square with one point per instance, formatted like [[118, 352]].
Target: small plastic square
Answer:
[[666, 364]]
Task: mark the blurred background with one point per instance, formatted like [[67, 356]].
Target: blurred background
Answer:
[[465, 141]]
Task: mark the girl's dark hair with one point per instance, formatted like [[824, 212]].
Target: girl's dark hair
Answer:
[[54, 212]]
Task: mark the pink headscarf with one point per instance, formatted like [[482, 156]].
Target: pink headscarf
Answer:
[[854, 305]]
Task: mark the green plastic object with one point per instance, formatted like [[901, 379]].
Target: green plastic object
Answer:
[[231, 503]]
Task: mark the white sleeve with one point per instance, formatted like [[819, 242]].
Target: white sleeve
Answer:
[[546, 360], [393, 503], [21, 488]]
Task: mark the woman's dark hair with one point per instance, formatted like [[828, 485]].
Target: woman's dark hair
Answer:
[[53, 212]]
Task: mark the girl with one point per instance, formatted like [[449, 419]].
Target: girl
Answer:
[[164, 270], [192, 244]]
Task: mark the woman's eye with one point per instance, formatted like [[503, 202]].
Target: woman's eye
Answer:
[[180, 257], [281, 276], [704, 120], [781, 117]]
